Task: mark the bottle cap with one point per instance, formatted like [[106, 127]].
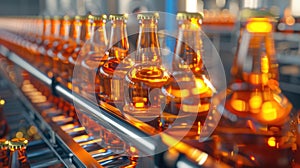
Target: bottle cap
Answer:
[[80, 17], [97, 17], [57, 17], [4, 143], [188, 15], [18, 143], [148, 15], [66, 17], [46, 17], [118, 16]]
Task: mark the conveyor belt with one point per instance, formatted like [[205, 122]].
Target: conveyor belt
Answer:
[[43, 153], [39, 153]]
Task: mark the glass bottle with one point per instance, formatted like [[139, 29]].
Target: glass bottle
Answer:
[[17, 157], [50, 43], [3, 152], [258, 125], [58, 45], [44, 42], [188, 90], [92, 53], [31, 37], [70, 50], [111, 73], [143, 82]]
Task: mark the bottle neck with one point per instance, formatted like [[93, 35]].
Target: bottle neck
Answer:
[[55, 28], [47, 28], [65, 29], [188, 49], [86, 30], [40, 24], [118, 43], [148, 49], [98, 35], [76, 31], [255, 61]]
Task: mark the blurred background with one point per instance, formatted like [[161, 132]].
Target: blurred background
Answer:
[[73, 7]]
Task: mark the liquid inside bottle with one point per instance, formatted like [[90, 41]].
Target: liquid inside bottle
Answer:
[[113, 71], [143, 96], [188, 90], [258, 124], [70, 51], [43, 47], [53, 46], [57, 63], [17, 156]]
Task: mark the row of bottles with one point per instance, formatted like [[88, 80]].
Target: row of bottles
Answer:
[[60, 51], [256, 115], [258, 127]]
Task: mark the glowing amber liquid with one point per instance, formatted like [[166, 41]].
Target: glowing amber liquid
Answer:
[[144, 98], [64, 64], [258, 122], [188, 102], [258, 130], [45, 64], [52, 53], [112, 75]]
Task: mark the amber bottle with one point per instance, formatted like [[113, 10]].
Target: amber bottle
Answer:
[[113, 71], [92, 54], [258, 125], [143, 82], [188, 90]]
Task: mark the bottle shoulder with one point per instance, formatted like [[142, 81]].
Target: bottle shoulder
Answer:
[[150, 73]]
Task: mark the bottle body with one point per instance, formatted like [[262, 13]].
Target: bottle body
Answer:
[[188, 91], [92, 57], [258, 120], [114, 68], [143, 82]]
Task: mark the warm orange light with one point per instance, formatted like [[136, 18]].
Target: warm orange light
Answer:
[[238, 105], [269, 112], [133, 149], [199, 127], [195, 24], [264, 78], [290, 20], [255, 102], [139, 104], [190, 108], [19, 134], [272, 142], [203, 107], [181, 93], [264, 64], [67, 127], [2, 102], [259, 25], [254, 78], [33, 130], [200, 87], [160, 124], [252, 158], [69, 85], [81, 138]]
